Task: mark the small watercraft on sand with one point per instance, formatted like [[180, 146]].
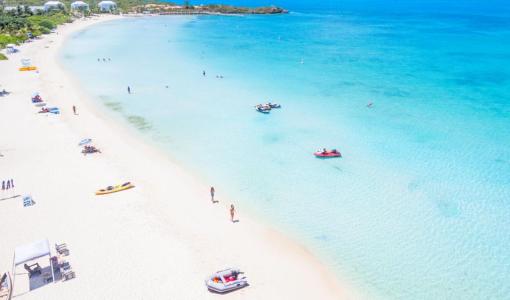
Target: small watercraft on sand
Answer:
[[327, 153], [226, 281], [114, 189], [52, 110]]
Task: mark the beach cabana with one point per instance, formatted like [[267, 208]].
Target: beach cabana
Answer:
[[53, 5], [107, 6], [30, 252], [79, 5]]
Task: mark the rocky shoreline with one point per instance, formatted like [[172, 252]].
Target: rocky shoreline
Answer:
[[168, 9]]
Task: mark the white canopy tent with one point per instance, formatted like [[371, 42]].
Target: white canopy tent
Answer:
[[53, 5], [107, 5], [76, 5], [29, 252]]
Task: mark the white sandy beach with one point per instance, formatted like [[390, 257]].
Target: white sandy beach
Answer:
[[156, 241]]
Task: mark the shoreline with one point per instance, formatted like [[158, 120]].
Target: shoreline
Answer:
[[180, 245]]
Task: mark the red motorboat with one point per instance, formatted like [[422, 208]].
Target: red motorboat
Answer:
[[328, 153]]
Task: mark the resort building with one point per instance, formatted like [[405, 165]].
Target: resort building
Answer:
[[106, 6], [79, 5], [33, 9], [53, 5]]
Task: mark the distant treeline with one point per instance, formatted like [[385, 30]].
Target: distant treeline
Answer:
[[187, 8]]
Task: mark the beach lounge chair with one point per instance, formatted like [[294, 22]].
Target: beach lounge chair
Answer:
[[34, 271], [68, 274], [28, 201], [66, 271], [62, 249]]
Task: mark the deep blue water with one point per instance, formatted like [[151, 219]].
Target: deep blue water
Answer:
[[417, 208]]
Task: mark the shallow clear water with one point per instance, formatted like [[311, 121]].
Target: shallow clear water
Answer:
[[417, 208]]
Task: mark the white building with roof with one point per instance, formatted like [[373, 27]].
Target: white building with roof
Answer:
[[32, 8], [107, 5], [79, 5], [51, 5]]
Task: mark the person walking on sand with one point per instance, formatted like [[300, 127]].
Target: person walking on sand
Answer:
[[232, 212], [74, 110], [212, 194], [129, 90]]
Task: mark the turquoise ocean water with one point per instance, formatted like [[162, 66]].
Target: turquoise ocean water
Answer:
[[419, 205]]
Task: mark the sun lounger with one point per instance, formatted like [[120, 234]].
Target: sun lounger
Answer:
[[66, 271], [62, 249], [68, 274], [34, 271], [28, 201]]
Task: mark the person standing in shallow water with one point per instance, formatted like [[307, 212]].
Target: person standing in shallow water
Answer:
[[212, 194], [203, 73], [129, 90], [232, 212]]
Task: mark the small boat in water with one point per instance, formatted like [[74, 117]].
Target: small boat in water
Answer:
[[114, 189], [273, 105], [328, 153], [226, 281], [265, 109]]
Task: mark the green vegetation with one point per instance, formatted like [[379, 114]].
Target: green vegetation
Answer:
[[3, 57], [19, 25], [122, 5]]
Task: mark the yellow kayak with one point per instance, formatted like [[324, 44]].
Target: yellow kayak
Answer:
[[32, 68], [114, 189]]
